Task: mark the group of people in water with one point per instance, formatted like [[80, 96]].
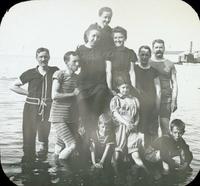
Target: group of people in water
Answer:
[[111, 110]]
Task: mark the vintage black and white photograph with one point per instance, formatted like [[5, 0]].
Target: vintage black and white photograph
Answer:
[[100, 93]]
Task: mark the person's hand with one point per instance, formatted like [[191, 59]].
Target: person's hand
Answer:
[[131, 127], [98, 165], [182, 167], [113, 92], [76, 91], [173, 106]]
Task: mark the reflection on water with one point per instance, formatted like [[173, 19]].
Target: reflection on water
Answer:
[[11, 106]]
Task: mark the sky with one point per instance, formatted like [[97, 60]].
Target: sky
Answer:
[[59, 24]]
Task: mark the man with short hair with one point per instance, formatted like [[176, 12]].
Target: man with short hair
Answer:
[[169, 87], [37, 105]]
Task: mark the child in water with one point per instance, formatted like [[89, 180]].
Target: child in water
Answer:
[[125, 113], [102, 142], [171, 150]]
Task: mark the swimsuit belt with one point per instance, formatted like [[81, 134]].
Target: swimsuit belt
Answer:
[[37, 101], [41, 102]]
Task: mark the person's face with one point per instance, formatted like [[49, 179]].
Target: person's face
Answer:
[[144, 56], [124, 89], [103, 128], [43, 58], [73, 63], [176, 133], [105, 18], [93, 37], [158, 50], [119, 39]]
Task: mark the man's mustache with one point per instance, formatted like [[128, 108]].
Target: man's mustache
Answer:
[[159, 52]]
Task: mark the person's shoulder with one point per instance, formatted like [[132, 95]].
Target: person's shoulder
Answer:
[[129, 50], [108, 28], [111, 50], [53, 68], [183, 142], [116, 97], [154, 61], [167, 61], [57, 73], [133, 97], [81, 48], [30, 71], [154, 70], [94, 24]]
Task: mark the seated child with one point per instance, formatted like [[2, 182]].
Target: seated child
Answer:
[[171, 149], [102, 142], [125, 113]]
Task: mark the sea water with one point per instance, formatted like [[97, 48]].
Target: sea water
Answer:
[[11, 108]]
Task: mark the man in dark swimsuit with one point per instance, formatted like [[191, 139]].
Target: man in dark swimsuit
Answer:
[[37, 105]]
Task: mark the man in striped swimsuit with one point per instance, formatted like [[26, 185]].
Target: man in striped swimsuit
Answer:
[[63, 113]]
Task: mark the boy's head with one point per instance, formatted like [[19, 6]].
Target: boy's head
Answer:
[[119, 36], [71, 59], [123, 86], [104, 123], [105, 15], [177, 129], [42, 56]]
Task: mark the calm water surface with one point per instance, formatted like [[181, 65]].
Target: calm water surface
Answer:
[[11, 106]]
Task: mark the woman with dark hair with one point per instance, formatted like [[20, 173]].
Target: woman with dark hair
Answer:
[[148, 84], [120, 60], [92, 80]]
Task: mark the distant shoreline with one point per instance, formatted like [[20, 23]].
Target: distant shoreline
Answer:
[[7, 78]]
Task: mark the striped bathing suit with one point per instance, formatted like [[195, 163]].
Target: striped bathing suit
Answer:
[[64, 112]]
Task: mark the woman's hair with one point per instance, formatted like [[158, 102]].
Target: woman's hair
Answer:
[[68, 54], [145, 47], [41, 49], [177, 123], [105, 9], [121, 30], [91, 27]]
